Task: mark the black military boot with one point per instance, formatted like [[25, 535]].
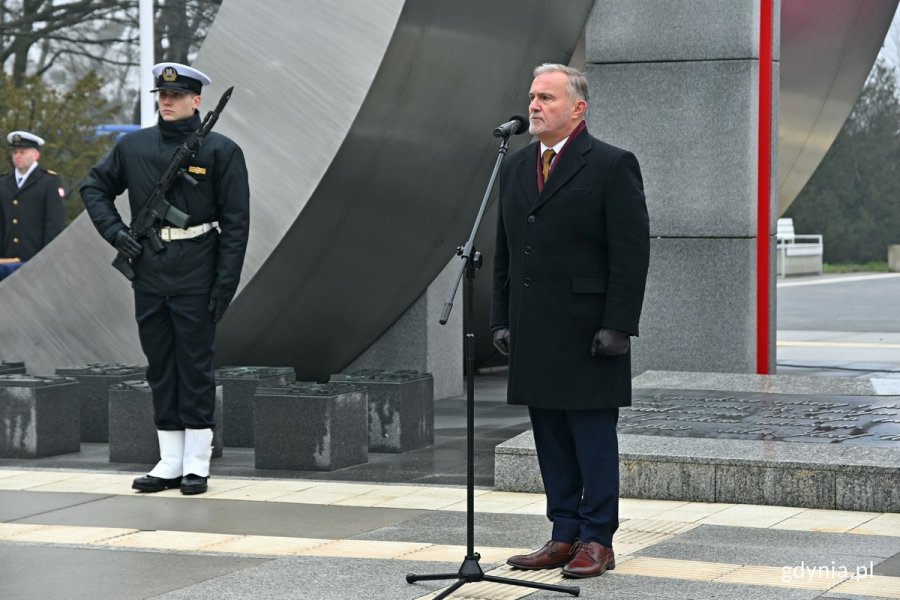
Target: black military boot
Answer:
[[193, 484], [149, 483], [197, 454]]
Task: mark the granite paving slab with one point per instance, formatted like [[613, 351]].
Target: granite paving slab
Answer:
[[15, 505], [491, 529], [777, 548], [319, 579], [614, 585], [82, 574], [224, 516], [889, 566]]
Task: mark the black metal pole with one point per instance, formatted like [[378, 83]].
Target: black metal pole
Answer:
[[470, 571], [467, 252], [469, 360]]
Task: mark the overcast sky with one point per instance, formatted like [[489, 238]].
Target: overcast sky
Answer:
[[890, 51]]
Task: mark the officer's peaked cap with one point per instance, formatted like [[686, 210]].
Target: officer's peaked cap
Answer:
[[24, 139], [178, 77]]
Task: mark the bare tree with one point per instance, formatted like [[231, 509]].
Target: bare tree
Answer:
[[62, 40], [181, 26], [35, 33]]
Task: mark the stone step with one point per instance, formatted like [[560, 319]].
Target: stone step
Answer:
[[731, 438]]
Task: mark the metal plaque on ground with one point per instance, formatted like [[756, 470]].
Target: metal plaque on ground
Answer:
[[857, 420]]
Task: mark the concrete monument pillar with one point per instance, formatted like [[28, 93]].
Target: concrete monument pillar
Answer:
[[417, 340], [691, 89]]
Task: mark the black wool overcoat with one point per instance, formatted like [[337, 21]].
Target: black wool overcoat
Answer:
[[570, 260], [32, 215]]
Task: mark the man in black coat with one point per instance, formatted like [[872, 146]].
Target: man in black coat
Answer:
[[31, 200], [182, 292], [571, 261]]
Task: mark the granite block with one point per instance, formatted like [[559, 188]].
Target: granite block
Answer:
[[517, 473], [38, 416], [871, 490], [132, 430], [310, 427], [238, 386], [762, 453], [693, 127], [93, 394], [516, 466], [8, 367], [744, 485], [830, 476], [691, 482], [646, 30], [809, 488], [699, 307], [401, 408], [747, 382]]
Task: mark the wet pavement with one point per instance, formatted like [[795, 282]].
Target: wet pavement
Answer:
[[70, 527]]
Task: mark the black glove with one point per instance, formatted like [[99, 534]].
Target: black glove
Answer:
[[126, 244], [609, 342], [501, 341], [217, 307]]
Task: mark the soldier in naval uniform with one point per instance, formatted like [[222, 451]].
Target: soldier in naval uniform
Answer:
[[181, 293], [32, 211]]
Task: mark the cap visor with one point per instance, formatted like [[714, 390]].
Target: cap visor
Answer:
[[175, 88]]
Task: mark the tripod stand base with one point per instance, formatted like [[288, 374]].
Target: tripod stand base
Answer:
[[470, 572]]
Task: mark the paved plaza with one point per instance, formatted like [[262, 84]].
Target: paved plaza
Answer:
[[70, 527]]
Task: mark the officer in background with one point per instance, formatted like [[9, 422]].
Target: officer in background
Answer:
[[31, 200], [182, 292]]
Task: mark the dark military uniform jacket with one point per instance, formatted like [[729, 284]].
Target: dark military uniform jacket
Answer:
[[208, 264], [31, 215], [570, 259]]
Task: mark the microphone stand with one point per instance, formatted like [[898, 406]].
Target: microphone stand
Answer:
[[470, 571]]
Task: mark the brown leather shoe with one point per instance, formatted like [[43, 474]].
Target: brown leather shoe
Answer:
[[590, 560], [551, 556]]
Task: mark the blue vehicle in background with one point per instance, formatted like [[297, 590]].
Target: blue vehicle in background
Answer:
[[115, 130]]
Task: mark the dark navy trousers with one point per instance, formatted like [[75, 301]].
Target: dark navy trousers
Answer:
[[578, 454], [177, 335]]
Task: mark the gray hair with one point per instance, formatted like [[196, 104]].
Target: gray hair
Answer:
[[578, 85]]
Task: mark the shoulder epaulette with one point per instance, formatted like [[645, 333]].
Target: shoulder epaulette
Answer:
[[49, 172]]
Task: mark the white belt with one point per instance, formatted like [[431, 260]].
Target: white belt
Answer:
[[171, 234]]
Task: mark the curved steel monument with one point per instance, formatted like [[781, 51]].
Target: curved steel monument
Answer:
[[366, 128], [827, 50], [367, 131]]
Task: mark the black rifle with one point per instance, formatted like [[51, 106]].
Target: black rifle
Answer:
[[157, 210]]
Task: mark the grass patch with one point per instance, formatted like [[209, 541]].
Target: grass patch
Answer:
[[874, 266]]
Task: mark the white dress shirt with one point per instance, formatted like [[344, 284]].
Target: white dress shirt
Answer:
[[20, 177]]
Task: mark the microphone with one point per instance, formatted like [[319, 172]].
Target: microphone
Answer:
[[517, 124]]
